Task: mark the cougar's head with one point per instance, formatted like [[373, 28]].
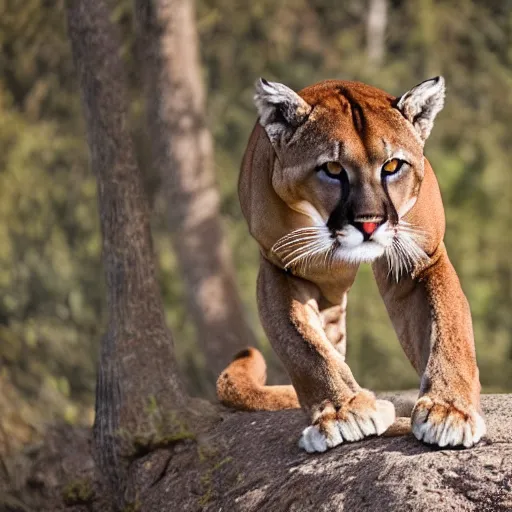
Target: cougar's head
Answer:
[[343, 167]]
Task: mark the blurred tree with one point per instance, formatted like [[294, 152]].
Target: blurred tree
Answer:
[[376, 21], [136, 368], [183, 156]]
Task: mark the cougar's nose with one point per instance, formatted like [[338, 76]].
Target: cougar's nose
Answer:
[[368, 224], [369, 227]]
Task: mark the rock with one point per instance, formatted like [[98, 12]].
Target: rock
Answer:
[[251, 462], [264, 470]]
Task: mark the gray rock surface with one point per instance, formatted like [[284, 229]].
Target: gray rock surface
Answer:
[[250, 462], [258, 467]]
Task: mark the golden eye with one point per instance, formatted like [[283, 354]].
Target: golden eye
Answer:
[[392, 166], [333, 168]]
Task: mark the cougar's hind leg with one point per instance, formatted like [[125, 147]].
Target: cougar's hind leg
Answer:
[[335, 323]]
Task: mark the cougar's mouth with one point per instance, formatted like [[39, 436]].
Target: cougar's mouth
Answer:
[[366, 240]]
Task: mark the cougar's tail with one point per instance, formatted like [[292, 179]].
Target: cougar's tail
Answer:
[[242, 385]]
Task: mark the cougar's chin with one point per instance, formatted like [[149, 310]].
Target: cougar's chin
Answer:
[[365, 253], [352, 247]]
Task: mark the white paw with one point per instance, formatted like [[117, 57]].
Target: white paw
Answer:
[[358, 419], [444, 424]]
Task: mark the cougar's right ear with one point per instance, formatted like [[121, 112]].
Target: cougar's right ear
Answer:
[[421, 105], [281, 110]]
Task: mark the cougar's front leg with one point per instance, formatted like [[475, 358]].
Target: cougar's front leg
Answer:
[[338, 408], [433, 322]]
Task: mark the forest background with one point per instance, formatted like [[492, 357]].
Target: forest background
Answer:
[[52, 292]]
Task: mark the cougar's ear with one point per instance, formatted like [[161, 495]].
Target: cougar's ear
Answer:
[[281, 110], [422, 103]]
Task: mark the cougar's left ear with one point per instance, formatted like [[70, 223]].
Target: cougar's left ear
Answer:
[[281, 110], [422, 103]]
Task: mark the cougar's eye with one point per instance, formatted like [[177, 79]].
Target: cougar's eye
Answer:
[[332, 169], [392, 167]]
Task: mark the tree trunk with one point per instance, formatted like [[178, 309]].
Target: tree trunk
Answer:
[[183, 156], [137, 378], [376, 22]]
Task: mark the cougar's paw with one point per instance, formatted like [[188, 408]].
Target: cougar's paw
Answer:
[[443, 423], [360, 417]]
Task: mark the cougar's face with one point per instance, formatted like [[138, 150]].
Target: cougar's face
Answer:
[[351, 162]]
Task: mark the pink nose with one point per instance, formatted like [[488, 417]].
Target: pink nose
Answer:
[[369, 227]]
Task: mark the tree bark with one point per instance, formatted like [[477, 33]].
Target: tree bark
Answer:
[[183, 156], [137, 368], [376, 22]]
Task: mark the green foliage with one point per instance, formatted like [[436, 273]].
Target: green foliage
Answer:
[[158, 429], [78, 492], [52, 306]]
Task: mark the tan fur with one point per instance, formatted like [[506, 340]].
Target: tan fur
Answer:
[[302, 308], [242, 385]]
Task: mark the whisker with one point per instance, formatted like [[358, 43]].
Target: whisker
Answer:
[[405, 251], [396, 256], [391, 259], [296, 236], [325, 251], [413, 229], [279, 246], [301, 252], [398, 260], [306, 251], [418, 235], [303, 246], [301, 233]]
